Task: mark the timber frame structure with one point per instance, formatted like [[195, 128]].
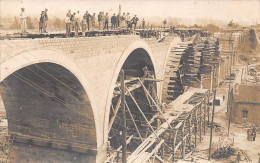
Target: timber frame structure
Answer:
[[172, 133]]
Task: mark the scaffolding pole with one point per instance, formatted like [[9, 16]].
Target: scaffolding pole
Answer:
[[212, 121], [124, 116]]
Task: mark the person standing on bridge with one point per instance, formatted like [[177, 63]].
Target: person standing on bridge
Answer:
[[106, 21], [72, 19], [164, 23], [143, 24], [45, 21], [88, 17], [77, 24], [103, 20], [84, 26], [68, 23], [41, 22], [118, 20], [93, 20], [23, 21], [123, 20], [99, 20], [128, 20], [134, 20], [113, 21]]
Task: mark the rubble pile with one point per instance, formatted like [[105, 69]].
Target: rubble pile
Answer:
[[224, 152]]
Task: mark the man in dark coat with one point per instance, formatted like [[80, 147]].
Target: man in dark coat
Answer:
[[88, 17], [134, 20], [113, 21], [41, 22]]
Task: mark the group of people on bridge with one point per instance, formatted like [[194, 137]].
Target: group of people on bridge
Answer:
[[75, 23]]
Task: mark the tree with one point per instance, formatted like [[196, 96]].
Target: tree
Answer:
[[57, 23], [212, 28], [29, 23], [16, 24]]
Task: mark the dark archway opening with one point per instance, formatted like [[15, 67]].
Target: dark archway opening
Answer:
[[46, 105], [133, 69]]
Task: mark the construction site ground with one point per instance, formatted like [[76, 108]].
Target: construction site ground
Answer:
[[238, 135]]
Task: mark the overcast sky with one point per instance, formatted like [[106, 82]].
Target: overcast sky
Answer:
[[238, 10]]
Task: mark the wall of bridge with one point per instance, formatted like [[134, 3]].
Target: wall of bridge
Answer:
[[95, 62]]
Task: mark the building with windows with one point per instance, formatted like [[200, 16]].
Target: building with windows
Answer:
[[245, 97], [245, 100]]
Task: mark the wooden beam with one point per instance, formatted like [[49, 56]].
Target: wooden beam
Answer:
[[134, 122], [115, 113], [123, 141], [142, 113], [196, 127], [182, 135], [200, 121], [204, 110], [190, 132], [159, 110]]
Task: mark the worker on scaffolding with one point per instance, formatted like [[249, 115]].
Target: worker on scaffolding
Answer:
[[254, 133], [145, 72]]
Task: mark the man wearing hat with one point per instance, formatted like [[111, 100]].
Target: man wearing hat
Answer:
[[93, 20], [77, 23], [68, 23], [106, 21], [99, 20], [23, 21], [123, 20], [84, 26], [128, 20], [41, 22], [113, 21], [135, 20], [88, 17], [45, 20]]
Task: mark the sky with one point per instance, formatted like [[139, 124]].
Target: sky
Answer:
[[246, 11]]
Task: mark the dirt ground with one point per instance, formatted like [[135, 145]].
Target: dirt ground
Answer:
[[237, 134]]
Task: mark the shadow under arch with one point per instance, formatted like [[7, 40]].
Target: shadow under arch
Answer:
[[45, 96], [132, 60]]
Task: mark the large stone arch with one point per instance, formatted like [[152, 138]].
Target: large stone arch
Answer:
[[140, 44], [173, 44], [59, 59]]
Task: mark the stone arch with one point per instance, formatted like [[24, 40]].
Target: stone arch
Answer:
[[139, 45], [59, 60], [174, 43]]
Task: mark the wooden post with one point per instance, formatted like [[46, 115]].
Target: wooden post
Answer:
[[182, 139], [200, 121], [208, 107], [230, 114], [212, 121], [173, 145], [204, 110], [196, 127], [190, 132], [123, 116], [132, 118]]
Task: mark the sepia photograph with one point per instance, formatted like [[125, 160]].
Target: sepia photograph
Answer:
[[129, 81]]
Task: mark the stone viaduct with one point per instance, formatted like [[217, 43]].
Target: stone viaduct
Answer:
[[57, 92]]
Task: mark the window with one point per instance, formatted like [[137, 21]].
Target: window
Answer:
[[244, 113]]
